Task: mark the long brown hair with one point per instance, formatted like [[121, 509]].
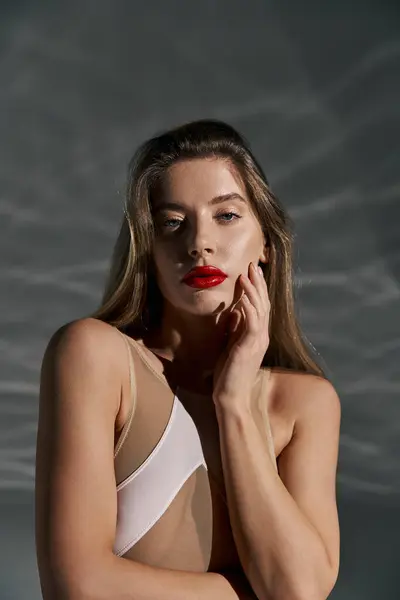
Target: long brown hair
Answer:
[[132, 298]]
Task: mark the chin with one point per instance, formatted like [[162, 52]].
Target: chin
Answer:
[[209, 305]]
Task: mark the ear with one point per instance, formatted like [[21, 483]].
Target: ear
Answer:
[[264, 256]]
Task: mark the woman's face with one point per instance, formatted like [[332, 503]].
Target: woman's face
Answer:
[[203, 217]]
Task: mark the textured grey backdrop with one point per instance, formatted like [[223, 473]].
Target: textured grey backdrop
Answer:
[[315, 87]]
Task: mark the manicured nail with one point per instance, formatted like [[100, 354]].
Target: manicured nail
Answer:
[[260, 270]]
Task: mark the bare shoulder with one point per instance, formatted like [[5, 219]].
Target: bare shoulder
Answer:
[[84, 335], [300, 390], [76, 507], [298, 398], [84, 351]]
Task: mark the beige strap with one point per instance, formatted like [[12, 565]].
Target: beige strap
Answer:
[[133, 397], [140, 351]]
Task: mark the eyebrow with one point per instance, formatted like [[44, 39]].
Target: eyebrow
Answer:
[[216, 200]]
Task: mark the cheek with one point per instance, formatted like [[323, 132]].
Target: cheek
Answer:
[[158, 258], [163, 257], [164, 270], [245, 247]]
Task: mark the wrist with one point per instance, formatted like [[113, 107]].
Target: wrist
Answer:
[[232, 408]]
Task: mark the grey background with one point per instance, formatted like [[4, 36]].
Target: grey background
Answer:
[[315, 87]]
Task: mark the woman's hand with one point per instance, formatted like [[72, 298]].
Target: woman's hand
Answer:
[[238, 366]]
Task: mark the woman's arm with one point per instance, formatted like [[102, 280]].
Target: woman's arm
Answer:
[[286, 526], [76, 500]]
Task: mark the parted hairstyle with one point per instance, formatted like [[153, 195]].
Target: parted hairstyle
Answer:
[[132, 300]]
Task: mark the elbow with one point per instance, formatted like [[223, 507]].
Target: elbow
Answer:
[[83, 592], [317, 589], [77, 585], [85, 589], [310, 595], [68, 590], [89, 586], [299, 594]]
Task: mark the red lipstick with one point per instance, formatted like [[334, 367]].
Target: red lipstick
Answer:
[[204, 277]]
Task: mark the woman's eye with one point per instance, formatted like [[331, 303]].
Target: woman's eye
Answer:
[[228, 214], [174, 223], [167, 222]]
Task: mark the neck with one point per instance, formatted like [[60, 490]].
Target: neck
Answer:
[[192, 342]]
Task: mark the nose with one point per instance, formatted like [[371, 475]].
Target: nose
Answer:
[[201, 239]]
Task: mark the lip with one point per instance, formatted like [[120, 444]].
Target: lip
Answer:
[[206, 271], [204, 277]]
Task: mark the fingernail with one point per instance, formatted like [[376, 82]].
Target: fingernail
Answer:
[[260, 270]]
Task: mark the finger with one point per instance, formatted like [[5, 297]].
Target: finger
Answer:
[[254, 295], [237, 295], [258, 279], [235, 320], [264, 286], [250, 311]]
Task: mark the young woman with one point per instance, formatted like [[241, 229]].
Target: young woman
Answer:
[[187, 444]]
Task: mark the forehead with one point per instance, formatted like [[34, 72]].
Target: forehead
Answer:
[[198, 181]]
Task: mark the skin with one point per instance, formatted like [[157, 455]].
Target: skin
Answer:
[[196, 232], [84, 400], [227, 328]]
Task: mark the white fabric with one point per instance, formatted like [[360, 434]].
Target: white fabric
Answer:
[[146, 494]]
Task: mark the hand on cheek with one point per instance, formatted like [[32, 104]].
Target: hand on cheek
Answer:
[[248, 341]]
